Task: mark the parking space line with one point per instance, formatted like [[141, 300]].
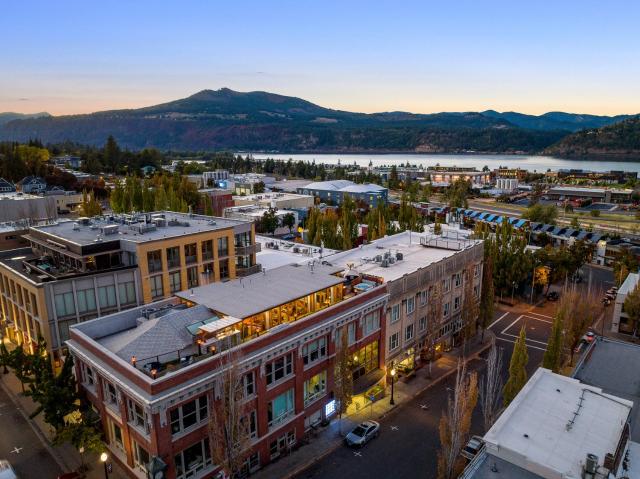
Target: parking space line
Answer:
[[528, 339], [538, 319], [540, 314], [514, 322], [498, 320], [513, 342]]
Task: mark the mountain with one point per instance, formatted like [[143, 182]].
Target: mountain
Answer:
[[555, 120], [262, 121], [8, 116], [618, 140]]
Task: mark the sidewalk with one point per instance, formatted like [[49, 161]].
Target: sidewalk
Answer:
[[65, 455], [330, 437]]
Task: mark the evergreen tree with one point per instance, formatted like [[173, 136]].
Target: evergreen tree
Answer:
[[117, 198], [269, 222], [487, 299], [112, 154], [553, 354], [348, 222], [517, 368]]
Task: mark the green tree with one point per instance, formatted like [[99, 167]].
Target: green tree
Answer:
[[343, 375], [632, 306], [595, 213], [20, 362], [269, 222], [5, 358], [348, 222], [289, 220], [116, 199], [575, 224], [258, 187], [80, 432], [393, 178], [458, 193], [112, 154], [541, 213], [512, 263], [517, 368], [552, 358], [90, 206], [487, 299]]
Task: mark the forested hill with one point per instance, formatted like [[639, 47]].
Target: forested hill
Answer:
[[620, 140], [260, 121]]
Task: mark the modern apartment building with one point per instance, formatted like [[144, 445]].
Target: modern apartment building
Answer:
[[154, 373], [419, 270], [74, 271], [620, 321]]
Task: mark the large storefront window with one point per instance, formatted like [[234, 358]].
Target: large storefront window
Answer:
[[365, 360], [193, 459], [315, 387]]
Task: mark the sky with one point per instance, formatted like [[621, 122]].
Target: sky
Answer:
[[69, 57]]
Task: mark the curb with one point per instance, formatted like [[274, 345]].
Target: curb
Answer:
[[435, 382], [43, 439]]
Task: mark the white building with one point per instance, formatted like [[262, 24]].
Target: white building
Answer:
[[620, 321], [558, 428], [212, 178], [276, 200], [507, 184]]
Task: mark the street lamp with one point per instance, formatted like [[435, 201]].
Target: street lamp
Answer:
[[103, 459], [393, 377]]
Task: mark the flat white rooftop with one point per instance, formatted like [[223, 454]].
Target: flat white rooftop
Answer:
[[414, 254], [554, 422], [276, 252], [629, 284]]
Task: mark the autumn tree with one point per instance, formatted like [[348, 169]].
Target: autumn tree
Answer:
[[434, 318], [229, 423], [581, 311], [90, 206], [632, 306], [491, 386], [553, 354], [343, 392], [470, 308], [455, 423], [517, 368]]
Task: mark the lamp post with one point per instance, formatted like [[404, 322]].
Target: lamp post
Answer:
[[103, 459], [393, 377]]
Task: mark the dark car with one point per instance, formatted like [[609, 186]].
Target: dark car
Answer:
[[553, 296], [362, 433], [472, 448]]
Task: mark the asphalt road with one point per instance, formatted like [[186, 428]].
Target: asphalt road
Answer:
[[20, 445], [408, 443]]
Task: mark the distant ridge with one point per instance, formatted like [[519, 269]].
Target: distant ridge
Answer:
[[263, 121], [8, 116]]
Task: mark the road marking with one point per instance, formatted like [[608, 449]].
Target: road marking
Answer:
[[514, 322], [394, 428], [540, 314], [16, 450], [357, 454], [424, 406], [513, 342], [528, 339], [497, 320]]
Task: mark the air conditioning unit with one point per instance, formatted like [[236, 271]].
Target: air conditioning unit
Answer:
[[109, 229], [384, 263]]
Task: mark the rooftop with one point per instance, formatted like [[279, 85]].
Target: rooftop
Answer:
[[410, 251], [629, 284], [345, 186], [554, 422], [579, 189], [256, 293], [607, 366], [268, 196], [134, 228], [276, 252]]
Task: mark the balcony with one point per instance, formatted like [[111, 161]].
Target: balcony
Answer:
[[246, 271], [248, 249]]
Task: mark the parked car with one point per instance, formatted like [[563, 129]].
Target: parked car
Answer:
[[553, 296], [472, 448], [6, 471], [610, 296], [362, 433], [589, 337]]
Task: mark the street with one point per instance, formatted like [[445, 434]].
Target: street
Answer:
[[21, 446], [408, 443]]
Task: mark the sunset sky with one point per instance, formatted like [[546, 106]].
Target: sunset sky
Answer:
[[424, 56]]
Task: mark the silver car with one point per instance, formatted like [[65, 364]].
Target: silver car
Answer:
[[362, 433]]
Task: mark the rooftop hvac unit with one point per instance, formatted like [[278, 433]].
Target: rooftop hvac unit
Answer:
[[109, 229], [399, 256], [391, 260], [387, 254], [591, 465], [384, 263], [296, 249], [159, 222], [378, 258]]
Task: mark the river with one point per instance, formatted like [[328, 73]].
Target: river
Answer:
[[532, 163]]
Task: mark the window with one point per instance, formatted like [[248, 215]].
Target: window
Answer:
[[86, 300], [446, 285], [248, 384], [445, 310], [314, 350], [64, 304], [140, 456], [279, 369], [107, 296], [283, 443], [365, 360], [154, 261], [251, 423], [371, 322], [110, 394], [224, 268], [457, 279], [116, 435], [191, 253], [395, 313], [137, 416], [189, 414], [127, 292], [476, 291], [88, 376], [280, 408], [174, 282], [315, 387], [223, 246], [207, 250], [173, 257], [408, 333], [193, 459], [422, 323], [192, 277], [456, 303], [411, 304], [476, 270], [156, 286], [423, 297], [394, 341]]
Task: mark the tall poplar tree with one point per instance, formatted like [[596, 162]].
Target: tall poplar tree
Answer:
[[517, 368]]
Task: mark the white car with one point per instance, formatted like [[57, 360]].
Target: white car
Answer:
[[6, 471], [362, 433]]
